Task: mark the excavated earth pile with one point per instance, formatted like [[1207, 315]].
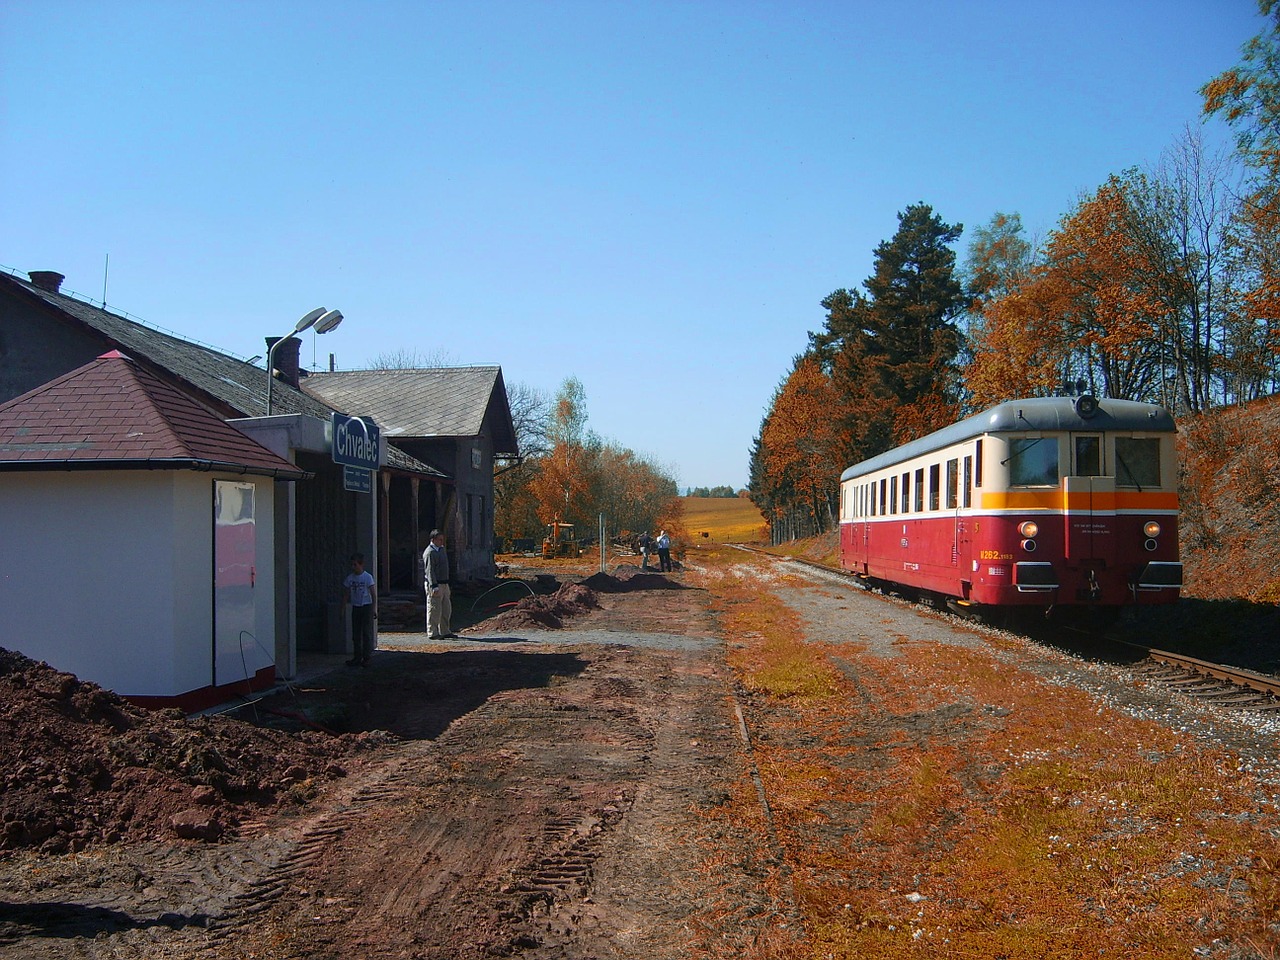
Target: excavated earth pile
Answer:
[[80, 765]]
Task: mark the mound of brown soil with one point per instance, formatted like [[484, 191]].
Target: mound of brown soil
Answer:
[[79, 764], [627, 581], [547, 612]]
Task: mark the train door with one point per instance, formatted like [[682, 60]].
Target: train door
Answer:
[[964, 503], [1089, 502]]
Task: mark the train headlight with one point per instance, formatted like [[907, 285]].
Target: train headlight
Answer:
[[1028, 528], [1151, 529]]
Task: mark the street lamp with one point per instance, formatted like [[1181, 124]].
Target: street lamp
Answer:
[[323, 320]]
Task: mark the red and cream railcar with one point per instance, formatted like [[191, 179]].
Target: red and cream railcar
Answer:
[[1046, 501]]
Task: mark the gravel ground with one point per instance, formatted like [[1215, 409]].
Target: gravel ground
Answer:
[[588, 792]]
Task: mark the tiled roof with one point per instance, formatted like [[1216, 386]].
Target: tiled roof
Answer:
[[435, 402], [114, 413], [222, 378]]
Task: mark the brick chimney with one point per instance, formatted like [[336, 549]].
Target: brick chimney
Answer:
[[286, 359], [46, 279]]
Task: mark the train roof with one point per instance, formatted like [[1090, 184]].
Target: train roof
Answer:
[[1085, 414]]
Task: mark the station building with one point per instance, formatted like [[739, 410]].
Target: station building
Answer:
[[308, 518]]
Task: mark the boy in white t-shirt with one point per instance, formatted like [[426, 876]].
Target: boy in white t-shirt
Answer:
[[363, 598]]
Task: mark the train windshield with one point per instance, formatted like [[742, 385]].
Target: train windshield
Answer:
[[1138, 462], [1033, 462]]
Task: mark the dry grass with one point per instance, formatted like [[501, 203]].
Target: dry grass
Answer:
[[951, 805], [724, 520], [1230, 496]]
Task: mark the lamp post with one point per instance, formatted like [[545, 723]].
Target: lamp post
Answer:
[[323, 320]]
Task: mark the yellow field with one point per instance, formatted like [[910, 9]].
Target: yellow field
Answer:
[[724, 520]]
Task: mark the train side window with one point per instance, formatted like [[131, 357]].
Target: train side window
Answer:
[[953, 484], [893, 494], [906, 493], [1138, 462], [977, 477], [1088, 456], [919, 505], [884, 503], [935, 485], [1033, 462], [968, 481]]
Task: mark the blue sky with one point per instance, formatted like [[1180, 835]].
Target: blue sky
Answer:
[[652, 197]]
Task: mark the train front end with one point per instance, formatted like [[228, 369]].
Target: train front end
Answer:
[[1080, 508]]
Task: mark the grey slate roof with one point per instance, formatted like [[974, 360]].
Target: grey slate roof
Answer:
[[238, 385], [433, 402]]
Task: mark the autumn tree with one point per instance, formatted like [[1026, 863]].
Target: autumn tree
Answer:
[[1090, 311], [1181, 221], [804, 445], [560, 484], [1247, 96], [1014, 339], [515, 508], [574, 476]]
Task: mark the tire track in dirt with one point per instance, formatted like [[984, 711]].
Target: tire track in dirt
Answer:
[[548, 822]]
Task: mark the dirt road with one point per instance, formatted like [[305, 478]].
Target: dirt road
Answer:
[[543, 800]]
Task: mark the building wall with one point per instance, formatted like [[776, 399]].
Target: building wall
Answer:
[[469, 525], [108, 575]]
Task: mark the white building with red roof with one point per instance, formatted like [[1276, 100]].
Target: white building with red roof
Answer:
[[159, 516]]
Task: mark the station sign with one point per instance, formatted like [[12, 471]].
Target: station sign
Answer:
[[357, 479], [355, 441]]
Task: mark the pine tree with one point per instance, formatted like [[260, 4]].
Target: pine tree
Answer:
[[891, 350]]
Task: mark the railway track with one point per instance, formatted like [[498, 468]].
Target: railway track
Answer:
[[1228, 687]]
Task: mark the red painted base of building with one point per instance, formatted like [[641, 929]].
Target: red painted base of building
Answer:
[[210, 696]]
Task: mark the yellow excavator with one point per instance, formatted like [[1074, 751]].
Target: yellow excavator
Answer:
[[560, 541]]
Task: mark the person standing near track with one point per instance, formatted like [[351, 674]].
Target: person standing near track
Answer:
[[362, 595], [645, 542], [664, 552], [435, 572]]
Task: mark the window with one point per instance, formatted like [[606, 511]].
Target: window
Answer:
[[953, 484], [906, 492], [884, 503], [977, 477], [1137, 462], [873, 497], [1033, 462], [919, 490], [1088, 456], [893, 494], [935, 486], [968, 481]]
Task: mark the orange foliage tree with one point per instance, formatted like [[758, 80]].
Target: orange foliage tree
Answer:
[[1247, 96], [581, 477], [803, 446], [1090, 311]]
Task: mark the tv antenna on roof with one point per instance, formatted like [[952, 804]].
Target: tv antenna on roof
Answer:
[[105, 268]]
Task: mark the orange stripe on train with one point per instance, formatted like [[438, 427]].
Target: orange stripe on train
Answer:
[[1079, 500]]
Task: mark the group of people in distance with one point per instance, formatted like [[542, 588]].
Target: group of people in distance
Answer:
[[362, 594], [662, 544]]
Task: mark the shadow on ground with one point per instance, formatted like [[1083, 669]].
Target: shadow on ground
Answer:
[[413, 695]]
